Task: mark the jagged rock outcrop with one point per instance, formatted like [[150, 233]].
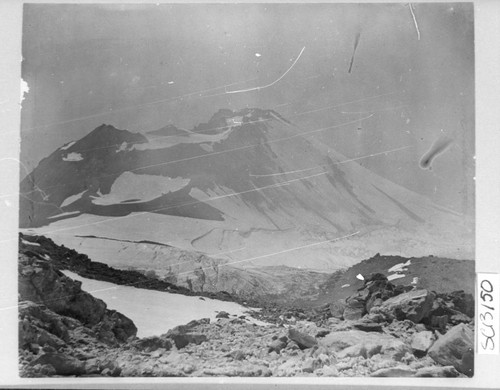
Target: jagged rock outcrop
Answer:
[[57, 319], [380, 300], [41, 283]]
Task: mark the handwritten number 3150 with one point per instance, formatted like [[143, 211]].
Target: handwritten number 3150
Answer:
[[488, 332]]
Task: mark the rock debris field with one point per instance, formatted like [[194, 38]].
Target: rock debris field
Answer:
[[384, 330]]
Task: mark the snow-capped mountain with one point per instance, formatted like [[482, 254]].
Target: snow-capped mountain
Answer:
[[246, 189]]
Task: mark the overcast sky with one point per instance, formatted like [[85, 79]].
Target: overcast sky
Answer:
[[138, 67]]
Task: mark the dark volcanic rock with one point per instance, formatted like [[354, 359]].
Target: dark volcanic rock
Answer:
[[182, 336], [115, 327], [413, 305], [33, 337], [63, 364], [303, 340], [368, 326], [181, 340], [463, 302], [153, 343]]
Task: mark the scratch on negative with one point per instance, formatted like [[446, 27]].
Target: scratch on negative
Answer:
[[414, 20], [274, 82]]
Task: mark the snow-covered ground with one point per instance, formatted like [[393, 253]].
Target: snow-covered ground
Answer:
[[155, 312], [140, 188]]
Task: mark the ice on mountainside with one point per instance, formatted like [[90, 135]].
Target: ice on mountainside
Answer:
[[72, 198], [73, 157], [68, 213], [132, 187], [68, 145]]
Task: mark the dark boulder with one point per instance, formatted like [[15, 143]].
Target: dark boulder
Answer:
[[182, 336], [367, 326], [149, 344], [63, 364], [413, 305], [463, 302], [115, 328], [303, 340]]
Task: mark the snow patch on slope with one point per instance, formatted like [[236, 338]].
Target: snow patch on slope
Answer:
[[155, 312], [73, 157], [139, 188], [395, 276], [398, 269], [29, 243], [191, 138], [124, 147], [64, 214], [65, 147], [72, 198]]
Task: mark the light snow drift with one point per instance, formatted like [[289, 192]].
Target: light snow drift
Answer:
[[30, 243], [72, 198], [65, 147], [73, 157], [155, 312], [66, 214]]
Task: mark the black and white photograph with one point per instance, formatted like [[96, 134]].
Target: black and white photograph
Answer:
[[247, 190]]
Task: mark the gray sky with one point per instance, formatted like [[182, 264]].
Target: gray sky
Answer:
[[136, 67]]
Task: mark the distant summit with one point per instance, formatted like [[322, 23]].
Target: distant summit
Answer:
[[107, 135]]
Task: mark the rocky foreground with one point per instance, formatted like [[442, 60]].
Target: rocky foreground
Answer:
[[382, 330]]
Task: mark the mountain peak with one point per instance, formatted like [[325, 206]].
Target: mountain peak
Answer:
[[105, 136], [107, 132], [225, 118]]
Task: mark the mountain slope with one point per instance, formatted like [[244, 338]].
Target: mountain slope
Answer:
[[247, 187]]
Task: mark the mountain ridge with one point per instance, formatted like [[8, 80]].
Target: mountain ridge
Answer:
[[247, 184]]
